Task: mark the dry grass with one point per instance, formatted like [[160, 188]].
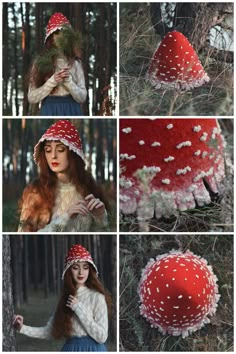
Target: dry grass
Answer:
[[138, 41], [135, 333]]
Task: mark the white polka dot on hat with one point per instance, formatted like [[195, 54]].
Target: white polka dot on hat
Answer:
[[77, 253], [65, 132]]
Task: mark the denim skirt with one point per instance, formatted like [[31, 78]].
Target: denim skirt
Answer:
[[83, 344], [60, 106]]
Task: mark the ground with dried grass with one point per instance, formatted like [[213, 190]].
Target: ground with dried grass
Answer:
[[138, 41]]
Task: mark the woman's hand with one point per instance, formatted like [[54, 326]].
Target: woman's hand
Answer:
[[71, 301], [61, 75], [18, 322], [95, 206], [78, 208]]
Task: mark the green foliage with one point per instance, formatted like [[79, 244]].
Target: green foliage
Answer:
[[135, 332], [69, 41], [45, 61]]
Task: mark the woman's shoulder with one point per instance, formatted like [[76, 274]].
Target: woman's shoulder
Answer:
[[78, 62], [78, 59], [95, 294], [99, 297]]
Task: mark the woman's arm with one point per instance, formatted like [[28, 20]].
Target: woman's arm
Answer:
[[35, 332], [103, 222], [97, 325], [36, 95], [97, 209], [76, 84], [57, 224]]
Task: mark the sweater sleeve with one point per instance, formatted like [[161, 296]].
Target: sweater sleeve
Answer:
[[36, 95], [38, 332], [57, 224], [76, 85], [101, 222], [97, 325]]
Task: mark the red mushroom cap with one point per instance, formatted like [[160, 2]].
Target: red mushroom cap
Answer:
[[178, 292], [175, 64], [170, 161]]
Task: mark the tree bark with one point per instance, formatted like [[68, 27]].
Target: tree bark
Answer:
[[8, 335], [5, 72], [194, 20], [15, 68]]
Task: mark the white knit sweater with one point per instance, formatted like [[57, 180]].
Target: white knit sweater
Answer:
[[67, 195], [74, 85], [90, 318]]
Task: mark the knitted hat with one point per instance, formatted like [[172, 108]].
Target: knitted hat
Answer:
[[56, 22], [65, 132], [77, 253]]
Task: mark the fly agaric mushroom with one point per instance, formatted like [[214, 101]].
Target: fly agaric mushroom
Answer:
[[175, 65], [169, 164], [178, 292]]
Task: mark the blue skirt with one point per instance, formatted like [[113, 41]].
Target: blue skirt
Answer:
[[60, 106], [83, 344]]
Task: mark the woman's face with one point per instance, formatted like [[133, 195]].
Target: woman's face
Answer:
[[56, 155], [80, 273]]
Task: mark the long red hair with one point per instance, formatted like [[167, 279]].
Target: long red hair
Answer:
[[38, 198], [62, 323]]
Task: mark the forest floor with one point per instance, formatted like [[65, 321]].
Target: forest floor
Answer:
[[138, 41], [135, 332], [36, 313]]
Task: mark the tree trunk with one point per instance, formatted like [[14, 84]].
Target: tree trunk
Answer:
[[8, 335], [26, 267], [38, 27], [46, 268], [15, 68], [5, 72], [100, 152], [25, 47], [194, 20], [17, 259]]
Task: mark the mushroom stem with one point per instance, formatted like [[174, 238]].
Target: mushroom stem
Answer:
[[172, 104]]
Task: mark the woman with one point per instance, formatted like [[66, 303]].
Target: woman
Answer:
[[57, 77], [65, 196], [81, 316]]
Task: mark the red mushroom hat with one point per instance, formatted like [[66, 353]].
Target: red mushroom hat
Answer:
[[78, 253], [56, 22], [65, 132], [173, 162], [178, 291], [175, 65]]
